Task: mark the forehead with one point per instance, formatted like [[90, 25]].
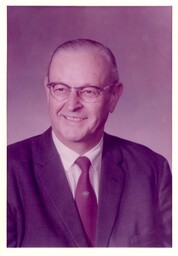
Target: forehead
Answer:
[[78, 63]]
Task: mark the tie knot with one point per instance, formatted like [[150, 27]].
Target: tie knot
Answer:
[[84, 163]]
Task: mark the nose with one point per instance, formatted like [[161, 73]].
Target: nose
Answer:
[[73, 101]]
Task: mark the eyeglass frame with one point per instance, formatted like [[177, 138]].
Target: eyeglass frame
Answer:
[[79, 90]]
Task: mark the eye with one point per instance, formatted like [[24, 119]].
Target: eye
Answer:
[[90, 91], [60, 89]]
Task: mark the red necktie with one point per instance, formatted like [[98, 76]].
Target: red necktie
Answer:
[[86, 199]]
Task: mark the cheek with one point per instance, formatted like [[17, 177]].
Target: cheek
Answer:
[[54, 106], [54, 110], [100, 113]]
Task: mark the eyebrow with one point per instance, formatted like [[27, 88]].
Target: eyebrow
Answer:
[[83, 86]]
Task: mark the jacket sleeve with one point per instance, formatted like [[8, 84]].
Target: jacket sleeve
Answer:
[[11, 229], [15, 218], [165, 205]]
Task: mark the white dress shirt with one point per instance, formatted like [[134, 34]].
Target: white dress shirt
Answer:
[[73, 171]]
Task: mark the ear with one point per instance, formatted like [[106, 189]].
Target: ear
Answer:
[[46, 88], [115, 96]]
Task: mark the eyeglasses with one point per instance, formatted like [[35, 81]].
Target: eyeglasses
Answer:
[[88, 94]]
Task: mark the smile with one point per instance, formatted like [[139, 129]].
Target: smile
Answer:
[[75, 119]]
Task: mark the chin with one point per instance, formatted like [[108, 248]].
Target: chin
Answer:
[[72, 137]]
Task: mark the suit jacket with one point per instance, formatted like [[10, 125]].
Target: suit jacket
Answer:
[[134, 208]]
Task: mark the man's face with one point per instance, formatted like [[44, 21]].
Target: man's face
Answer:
[[73, 120]]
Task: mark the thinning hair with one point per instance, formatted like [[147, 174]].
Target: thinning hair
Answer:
[[90, 45]]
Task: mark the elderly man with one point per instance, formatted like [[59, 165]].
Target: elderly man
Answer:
[[75, 185]]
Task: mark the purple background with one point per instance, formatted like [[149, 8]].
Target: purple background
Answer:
[[140, 38]]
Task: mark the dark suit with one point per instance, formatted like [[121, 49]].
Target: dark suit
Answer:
[[134, 207]]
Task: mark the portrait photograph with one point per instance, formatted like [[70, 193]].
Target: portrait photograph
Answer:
[[89, 128]]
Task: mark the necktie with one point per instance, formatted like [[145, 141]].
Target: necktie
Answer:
[[86, 199]]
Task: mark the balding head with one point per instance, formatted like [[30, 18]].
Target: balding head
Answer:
[[94, 47]]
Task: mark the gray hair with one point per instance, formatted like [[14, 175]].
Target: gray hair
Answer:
[[89, 45]]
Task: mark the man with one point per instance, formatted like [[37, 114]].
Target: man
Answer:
[[76, 186]]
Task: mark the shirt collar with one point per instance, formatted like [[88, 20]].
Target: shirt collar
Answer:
[[69, 156]]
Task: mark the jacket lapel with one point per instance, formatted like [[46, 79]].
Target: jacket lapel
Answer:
[[111, 186], [54, 181]]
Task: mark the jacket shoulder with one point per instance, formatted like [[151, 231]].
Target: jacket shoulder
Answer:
[[132, 150], [23, 149]]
